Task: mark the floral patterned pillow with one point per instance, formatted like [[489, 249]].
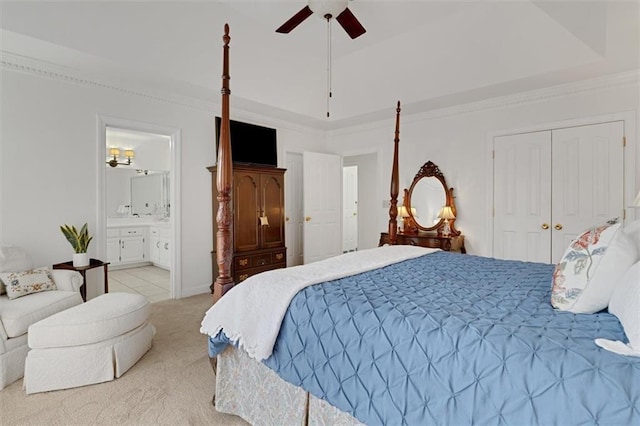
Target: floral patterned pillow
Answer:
[[19, 284], [584, 279]]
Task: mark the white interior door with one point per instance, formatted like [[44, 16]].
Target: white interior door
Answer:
[[588, 180], [349, 208], [322, 184], [294, 216], [522, 197], [549, 186]]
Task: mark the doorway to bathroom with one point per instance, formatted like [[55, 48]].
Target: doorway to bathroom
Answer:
[[138, 208]]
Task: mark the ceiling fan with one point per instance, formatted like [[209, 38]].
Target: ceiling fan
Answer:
[[328, 10]]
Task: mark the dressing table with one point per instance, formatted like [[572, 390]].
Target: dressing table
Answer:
[[423, 213]]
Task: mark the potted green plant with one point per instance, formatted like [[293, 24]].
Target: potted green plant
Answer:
[[79, 240]]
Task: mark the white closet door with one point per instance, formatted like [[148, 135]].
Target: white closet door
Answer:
[[294, 208], [587, 181], [522, 197], [322, 183]]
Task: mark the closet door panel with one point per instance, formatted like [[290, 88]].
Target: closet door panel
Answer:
[[587, 183], [522, 197]]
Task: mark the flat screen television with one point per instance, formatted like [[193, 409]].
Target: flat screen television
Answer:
[[250, 143]]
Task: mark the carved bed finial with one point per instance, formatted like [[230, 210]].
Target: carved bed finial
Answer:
[[224, 175], [395, 184]]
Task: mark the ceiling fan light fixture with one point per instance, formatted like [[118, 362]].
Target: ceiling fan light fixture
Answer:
[[331, 8]]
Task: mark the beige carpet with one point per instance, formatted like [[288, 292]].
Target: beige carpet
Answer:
[[171, 385]]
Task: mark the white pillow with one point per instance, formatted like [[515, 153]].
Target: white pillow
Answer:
[[633, 231], [27, 282], [13, 258], [625, 304], [584, 279]]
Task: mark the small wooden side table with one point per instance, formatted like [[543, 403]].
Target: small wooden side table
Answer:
[[93, 263]]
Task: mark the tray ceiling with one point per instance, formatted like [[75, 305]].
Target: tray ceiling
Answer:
[[429, 54]]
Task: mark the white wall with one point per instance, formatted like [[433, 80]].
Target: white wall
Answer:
[[48, 174], [458, 145], [48, 163]]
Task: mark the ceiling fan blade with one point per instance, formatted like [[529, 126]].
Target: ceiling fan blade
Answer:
[[295, 20], [350, 24]]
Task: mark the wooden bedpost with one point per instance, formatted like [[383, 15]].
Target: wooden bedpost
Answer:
[[395, 184], [224, 177]]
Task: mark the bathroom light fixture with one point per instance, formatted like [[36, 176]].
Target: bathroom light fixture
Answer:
[[115, 153]]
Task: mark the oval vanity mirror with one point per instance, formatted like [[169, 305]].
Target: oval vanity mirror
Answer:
[[426, 197]]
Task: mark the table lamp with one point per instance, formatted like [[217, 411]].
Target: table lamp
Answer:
[[446, 213]]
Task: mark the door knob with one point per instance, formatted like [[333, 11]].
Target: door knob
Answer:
[[558, 226], [287, 218], [308, 218], [545, 226]]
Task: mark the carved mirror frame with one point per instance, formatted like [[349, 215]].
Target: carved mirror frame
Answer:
[[429, 169]]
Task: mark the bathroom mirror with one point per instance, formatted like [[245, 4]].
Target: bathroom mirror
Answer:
[[150, 194]]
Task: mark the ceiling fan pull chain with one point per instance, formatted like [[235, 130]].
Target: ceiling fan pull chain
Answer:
[[328, 63]]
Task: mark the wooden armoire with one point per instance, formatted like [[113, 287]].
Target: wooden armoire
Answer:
[[258, 220]]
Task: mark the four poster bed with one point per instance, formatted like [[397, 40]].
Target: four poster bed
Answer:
[[408, 335]]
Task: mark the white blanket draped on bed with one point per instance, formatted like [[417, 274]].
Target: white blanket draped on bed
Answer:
[[251, 313]]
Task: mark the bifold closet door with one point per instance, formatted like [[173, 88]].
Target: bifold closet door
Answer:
[[549, 186], [522, 196], [587, 180]]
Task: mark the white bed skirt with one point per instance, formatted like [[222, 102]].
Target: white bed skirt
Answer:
[[249, 389]]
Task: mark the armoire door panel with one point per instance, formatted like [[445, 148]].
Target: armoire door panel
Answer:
[[522, 202], [246, 210], [588, 180], [273, 209]]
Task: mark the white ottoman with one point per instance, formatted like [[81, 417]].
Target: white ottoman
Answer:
[[94, 342]]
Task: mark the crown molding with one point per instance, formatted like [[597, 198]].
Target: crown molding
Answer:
[[20, 63], [624, 79], [29, 65], [630, 79], [248, 110]]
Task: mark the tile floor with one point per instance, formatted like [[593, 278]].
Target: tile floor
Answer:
[[149, 281]]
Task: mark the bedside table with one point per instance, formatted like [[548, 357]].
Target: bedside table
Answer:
[[93, 263]]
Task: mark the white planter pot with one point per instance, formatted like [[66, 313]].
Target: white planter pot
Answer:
[[80, 259]]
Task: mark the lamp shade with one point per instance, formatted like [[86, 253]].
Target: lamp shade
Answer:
[[403, 212], [114, 152], [446, 213], [128, 153]]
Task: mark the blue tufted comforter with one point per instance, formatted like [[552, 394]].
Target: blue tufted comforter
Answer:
[[454, 339]]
